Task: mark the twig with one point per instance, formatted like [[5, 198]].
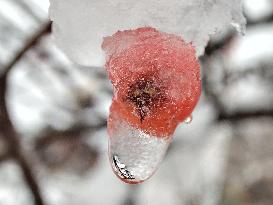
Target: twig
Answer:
[[208, 87], [71, 132], [14, 148], [237, 116], [44, 30], [267, 19], [213, 47]]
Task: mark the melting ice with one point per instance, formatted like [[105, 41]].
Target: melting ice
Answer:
[[134, 155]]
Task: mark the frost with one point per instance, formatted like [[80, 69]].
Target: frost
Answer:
[[79, 26]]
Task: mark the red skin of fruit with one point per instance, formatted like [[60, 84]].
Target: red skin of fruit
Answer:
[[146, 54]]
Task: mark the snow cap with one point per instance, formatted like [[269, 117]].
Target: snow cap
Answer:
[[79, 26]]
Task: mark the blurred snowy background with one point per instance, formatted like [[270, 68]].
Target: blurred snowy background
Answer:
[[53, 140]]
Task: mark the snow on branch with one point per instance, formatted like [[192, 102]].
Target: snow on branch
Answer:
[[79, 26]]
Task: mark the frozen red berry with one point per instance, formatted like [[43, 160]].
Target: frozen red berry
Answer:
[[156, 79]]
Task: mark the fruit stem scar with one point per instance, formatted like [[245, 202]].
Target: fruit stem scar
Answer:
[[145, 95]]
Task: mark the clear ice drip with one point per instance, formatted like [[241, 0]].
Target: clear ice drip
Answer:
[[135, 155], [188, 120]]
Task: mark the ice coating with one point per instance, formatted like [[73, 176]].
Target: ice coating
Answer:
[[79, 26], [156, 79], [134, 155]]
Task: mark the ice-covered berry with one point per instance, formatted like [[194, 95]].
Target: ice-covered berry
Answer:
[[156, 78]]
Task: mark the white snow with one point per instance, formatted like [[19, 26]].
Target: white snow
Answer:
[[79, 26]]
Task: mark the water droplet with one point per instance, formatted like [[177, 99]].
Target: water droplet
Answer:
[[135, 155], [188, 120]]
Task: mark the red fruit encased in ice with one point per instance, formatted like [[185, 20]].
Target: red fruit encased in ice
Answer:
[[156, 79]]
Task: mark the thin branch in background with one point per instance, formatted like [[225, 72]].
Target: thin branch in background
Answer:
[[7, 129], [213, 47], [131, 197], [8, 132], [262, 70], [214, 97], [237, 116], [267, 19], [4, 156], [207, 87], [73, 131], [44, 30]]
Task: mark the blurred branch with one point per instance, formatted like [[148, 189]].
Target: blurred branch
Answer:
[[268, 19], [73, 131], [7, 129], [208, 86], [262, 70], [213, 47], [216, 46], [211, 50], [244, 115], [29, 44], [14, 148], [131, 196], [4, 156], [3, 149], [215, 99]]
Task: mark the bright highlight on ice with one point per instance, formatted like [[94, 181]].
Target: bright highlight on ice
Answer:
[[150, 50]]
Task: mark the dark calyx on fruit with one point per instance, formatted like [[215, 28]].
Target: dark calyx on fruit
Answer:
[[145, 95]]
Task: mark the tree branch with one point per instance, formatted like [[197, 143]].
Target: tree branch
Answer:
[[7, 129], [237, 116], [29, 44], [72, 132], [14, 149]]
